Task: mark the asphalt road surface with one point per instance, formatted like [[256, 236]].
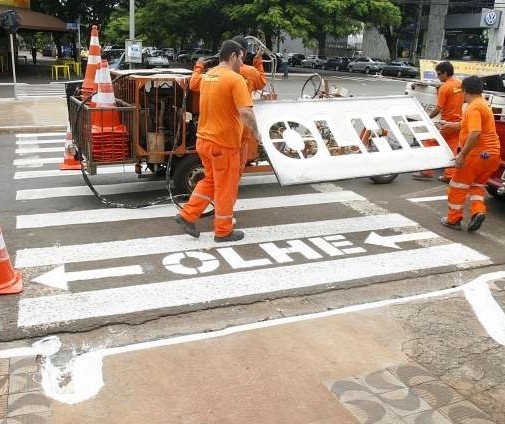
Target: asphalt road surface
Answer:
[[90, 266]]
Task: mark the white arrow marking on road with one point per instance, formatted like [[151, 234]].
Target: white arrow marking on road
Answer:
[[266, 282], [59, 278], [391, 241]]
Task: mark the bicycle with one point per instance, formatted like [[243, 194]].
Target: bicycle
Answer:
[[312, 90]]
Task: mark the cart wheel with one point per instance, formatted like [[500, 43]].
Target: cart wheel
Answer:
[[188, 171], [493, 191], [312, 86], [383, 179]]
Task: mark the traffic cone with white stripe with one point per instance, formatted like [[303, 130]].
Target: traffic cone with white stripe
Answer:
[[69, 161], [89, 85], [11, 280], [105, 99]]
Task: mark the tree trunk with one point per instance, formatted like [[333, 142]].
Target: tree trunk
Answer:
[[392, 43], [321, 43]]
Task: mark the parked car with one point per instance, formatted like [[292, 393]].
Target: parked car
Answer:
[[157, 59], [400, 69], [314, 61], [169, 53], [197, 54], [182, 53], [337, 63], [366, 65], [295, 59]]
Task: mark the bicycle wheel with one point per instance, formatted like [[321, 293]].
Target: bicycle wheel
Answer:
[[312, 87]]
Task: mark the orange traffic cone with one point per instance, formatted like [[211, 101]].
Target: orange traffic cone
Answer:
[[69, 161], [104, 99], [11, 280], [89, 85]]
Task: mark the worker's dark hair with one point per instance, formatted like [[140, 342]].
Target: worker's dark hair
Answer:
[[473, 85], [445, 68], [228, 48], [242, 41]]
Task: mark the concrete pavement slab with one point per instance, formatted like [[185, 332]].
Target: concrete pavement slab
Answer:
[[361, 367], [33, 115]]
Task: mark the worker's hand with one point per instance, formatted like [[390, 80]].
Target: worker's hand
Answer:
[[259, 54], [459, 160]]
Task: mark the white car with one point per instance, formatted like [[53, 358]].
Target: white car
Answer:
[[314, 61], [366, 64], [157, 59]]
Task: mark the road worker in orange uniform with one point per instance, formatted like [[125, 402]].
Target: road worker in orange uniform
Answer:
[[255, 78], [478, 159], [225, 108], [450, 100]]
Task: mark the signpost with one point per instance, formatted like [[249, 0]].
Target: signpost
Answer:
[[10, 21]]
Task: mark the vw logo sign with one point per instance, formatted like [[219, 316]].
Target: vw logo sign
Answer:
[[491, 17]]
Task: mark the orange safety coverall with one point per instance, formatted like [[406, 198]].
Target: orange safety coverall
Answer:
[[256, 80], [450, 101], [479, 164], [222, 93]]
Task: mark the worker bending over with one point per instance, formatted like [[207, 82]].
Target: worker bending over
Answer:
[[225, 108]]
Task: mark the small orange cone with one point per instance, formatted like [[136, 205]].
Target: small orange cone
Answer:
[[69, 161], [11, 280], [89, 85]]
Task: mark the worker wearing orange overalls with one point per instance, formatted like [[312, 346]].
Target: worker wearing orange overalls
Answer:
[[478, 159], [450, 101], [255, 79], [225, 107]]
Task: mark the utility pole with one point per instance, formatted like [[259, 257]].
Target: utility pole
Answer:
[[132, 26], [418, 31], [494, 52]]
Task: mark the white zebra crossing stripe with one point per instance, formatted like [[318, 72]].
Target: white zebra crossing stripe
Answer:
[[108, 189], [35, 142], [41, 135], [37, 161], [160, 211], [57, 255], [219, 288], [121, 169], [25, 150], [427, 199], [105, 189]]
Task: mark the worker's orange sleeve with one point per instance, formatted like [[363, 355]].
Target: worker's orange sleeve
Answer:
[[196, 77]]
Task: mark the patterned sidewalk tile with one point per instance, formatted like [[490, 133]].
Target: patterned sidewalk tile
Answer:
[[404, 402], [27, 403], [427, 417], [24, 365], [39, 418], [465, 413], [19, 383], [437, 394]]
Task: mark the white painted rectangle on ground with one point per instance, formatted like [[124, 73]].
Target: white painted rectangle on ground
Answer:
[[57, 255], [223, 288], [31, 161], [40, 135], [117, 169], [30, 142], [93, 216], [333, 139]]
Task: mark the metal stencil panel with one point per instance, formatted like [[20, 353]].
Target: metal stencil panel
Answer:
[[332, 139]]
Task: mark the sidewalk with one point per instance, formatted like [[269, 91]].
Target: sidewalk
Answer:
[[420, 360], [32, 115]]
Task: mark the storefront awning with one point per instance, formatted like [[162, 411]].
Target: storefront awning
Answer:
[[37, 21]]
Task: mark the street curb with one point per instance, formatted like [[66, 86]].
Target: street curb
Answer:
[[32, 128]]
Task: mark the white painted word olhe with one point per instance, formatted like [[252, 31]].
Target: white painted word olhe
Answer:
[[198, 262]]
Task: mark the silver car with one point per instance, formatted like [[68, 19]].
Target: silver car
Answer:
[[314, 61], [366, 64]]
